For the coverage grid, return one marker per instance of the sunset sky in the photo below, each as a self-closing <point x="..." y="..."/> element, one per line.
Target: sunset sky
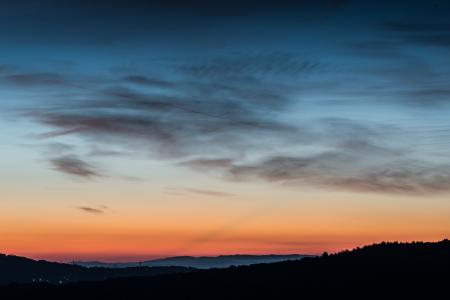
<point x="134" y="129"/>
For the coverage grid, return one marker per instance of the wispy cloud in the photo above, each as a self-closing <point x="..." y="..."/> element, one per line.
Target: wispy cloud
<point x="204" y="192"/>
<point x="74" y="166"/>
<point x="233" y="115"/>
<point x="148" y="81"/>
<point x="357" y="158"/>
<point x="340" y="171"/>
<point x="93" y="210"/>
<point x="210" y="106"/>
<point x="206" y="164"/>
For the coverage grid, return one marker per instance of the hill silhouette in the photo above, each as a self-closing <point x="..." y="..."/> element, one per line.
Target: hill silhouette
<point x="199" y="262"/>
<point x="382" y="271"/>
<point x="15" y="269"/>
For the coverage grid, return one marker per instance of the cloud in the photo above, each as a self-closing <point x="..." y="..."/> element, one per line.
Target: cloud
<point x="93" y="210"/>
<point x="429" y="96"/>
<point x="342" y="171"/>
<point x="402" y="177"/>
<point x="353" y="157"/>
<point x="72" y="165"/>
<point x="219" y="112"/>
<point x="405" y="78"/>
<point x="245" y="116"/>
<point x="58" y="148"/>
<point x="201" y="192"/>
<point x="148" y="81"/>
<point x="254" y="65"/>
<point x="336" y="171"/>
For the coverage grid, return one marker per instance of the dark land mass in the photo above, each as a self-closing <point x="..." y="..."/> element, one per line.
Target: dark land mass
<point x="382" y="271"/>
<point x="15" y="269"/>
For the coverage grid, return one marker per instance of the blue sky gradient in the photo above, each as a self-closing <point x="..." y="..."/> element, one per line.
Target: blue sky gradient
<point x="335" y="96"/>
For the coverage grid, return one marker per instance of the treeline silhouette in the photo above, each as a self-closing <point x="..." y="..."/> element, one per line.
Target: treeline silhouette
<point x="15" y="269"/>
<point x="382" y="271"/>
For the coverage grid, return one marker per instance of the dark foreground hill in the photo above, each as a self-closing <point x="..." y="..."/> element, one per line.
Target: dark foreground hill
<point x="382" y="271"/>
<point x="15" y="269"/>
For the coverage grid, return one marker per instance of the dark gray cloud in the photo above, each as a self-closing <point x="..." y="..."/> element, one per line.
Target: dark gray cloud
<point x="404" y="177"/>
<point x="338" y="170"/>
<point x="72" y="165"/>
<point x="98" y="152"/>
<point x="93" y="210"/>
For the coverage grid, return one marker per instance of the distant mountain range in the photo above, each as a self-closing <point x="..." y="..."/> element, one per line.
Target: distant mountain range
<point x="202" y="262"/>
<point x="382" y="271"/>
<point x="15" y="269"/>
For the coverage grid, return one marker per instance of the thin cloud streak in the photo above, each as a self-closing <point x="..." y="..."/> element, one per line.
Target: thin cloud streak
<point x="92" y="210"/>
<point x="204" y="192"/>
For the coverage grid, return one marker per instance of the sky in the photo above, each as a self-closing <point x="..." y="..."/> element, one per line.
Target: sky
<point x="134" y="129"/>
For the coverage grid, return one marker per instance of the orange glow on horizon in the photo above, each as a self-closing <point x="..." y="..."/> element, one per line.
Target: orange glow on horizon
<point x="300" y="223"/>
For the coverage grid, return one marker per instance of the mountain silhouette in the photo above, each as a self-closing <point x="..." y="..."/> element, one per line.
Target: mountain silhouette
<point x="382" y="271"/>
<point x="201" y="262"/>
